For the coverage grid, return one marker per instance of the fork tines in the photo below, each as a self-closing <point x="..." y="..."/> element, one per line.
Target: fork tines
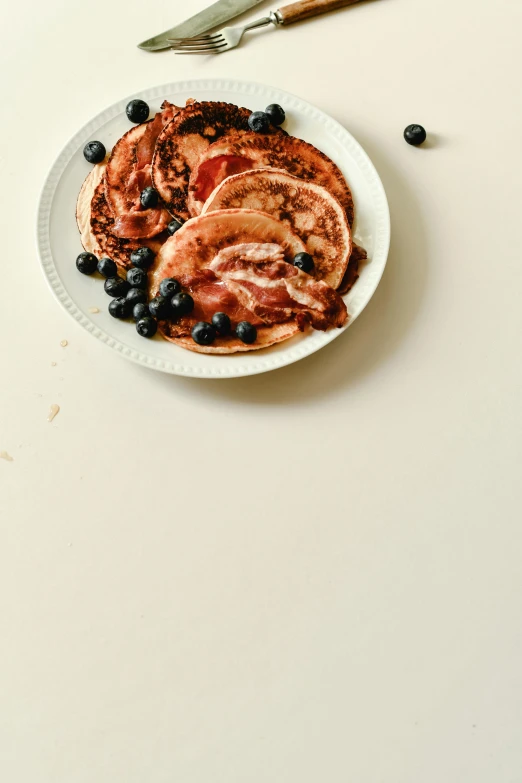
<point x="198" y="45"/>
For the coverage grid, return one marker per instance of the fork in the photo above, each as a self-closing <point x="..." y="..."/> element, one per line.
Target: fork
<point x="230" y="37"/>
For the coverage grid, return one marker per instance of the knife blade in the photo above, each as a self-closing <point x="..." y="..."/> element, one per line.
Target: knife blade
<point x="216" y="14"/>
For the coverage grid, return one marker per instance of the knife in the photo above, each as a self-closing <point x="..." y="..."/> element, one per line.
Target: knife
<point x="216" y="14"/>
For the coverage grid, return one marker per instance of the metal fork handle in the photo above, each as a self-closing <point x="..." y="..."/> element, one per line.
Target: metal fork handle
<point x="304" y="9"/>
<point x="271" y="19"/>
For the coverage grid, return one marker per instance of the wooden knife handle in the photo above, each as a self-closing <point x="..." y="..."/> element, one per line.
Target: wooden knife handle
<point x="304" y="9"/>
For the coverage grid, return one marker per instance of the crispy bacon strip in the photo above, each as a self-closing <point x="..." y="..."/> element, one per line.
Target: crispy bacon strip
<point x="273" y="289"/>
<point x="138" y="223"/>
<point x="142" y="224"/>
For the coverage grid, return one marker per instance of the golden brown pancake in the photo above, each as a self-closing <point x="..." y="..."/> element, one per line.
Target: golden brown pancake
<point x="184" y="140"/>
<point x="232" y="155"/>
<point x="351" y="275"/>
<point x="120" y="167"/>
<point x="309" y="209"/>
<point x="266" y="336"/>
<point x="95" y="221"/>
<point x="193" y="248"/>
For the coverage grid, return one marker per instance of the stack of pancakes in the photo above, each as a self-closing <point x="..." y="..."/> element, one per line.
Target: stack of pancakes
<point x="228" y="186"/>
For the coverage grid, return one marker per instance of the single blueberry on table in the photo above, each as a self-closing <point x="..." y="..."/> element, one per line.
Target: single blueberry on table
<point x="415" y="135"/>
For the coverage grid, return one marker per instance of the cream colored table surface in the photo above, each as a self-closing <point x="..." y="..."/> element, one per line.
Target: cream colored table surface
<point x="312" y="575"/>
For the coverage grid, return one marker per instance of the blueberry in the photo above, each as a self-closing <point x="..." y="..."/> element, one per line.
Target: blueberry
<point x="149" y="198"/>
<point x="415" y="134"/>
<point x="160" y="307"/>
<point x="203" y="333"/>
<point x="305" y="262"/>
<point x="94" y="152"/>
<point x="137" y="110"/>
<point x="116" y="286"/>
<point x="182" y="304"/>
<point x="142" y="257"/>
<point x="136" y="277"/>
<point x="119" y="308"/>
<point x="259" y="122"/>
<point x="169" y="287"/>
<point x="276" y="114"/>
<point x="136" y="296"/>
<point x="246" y="332"/>
<point x="147" y="326"/>
<point x="140" y="310"/>
<point x="221" y="322"/>
<point x="174" y="226"/>
<point x="86" y="263"/>
<point x="107" y="267"/>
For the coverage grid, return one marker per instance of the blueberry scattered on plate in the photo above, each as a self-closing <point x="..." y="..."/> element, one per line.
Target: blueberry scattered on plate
<point x="305" y="262"/>
<point x="169" y="287"/>
<point x="159" y="307"/>
<point x="86" y="263"/>
<point x="136" y="296"/>
<point x="182" y="304"/>
<point x="149" y="198"/>
<point x="136" y="277"/>
<point x="147" y="326"/>
<point x="137" y="110"/>
<point x="259" y="122"/>
<point x="203" y="333"/>
<point x="415" y="134"/>
<point x="142" y="257"/>
<point x="116" y="286"/>
<point x="174" y="226"/>
<point x="94" y="152"/>
<point x="140" y="310"/>
<point x="107" y="267"/>
<point x="276" y="114"/>
<point x="246" y="332"/>
<point x="221" y="322"/>
<point x="119" y="308"/>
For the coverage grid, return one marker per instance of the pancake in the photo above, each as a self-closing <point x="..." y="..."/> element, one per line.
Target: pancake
<point x="184" y="140"/>
<point x="187" y="255"/>
<point x="120" y="166"/>
<point x="351" y="275"/>
<point x="308" y="209"/>
<point x="266" y="336"/>
<point x="95" y="221"/>
<point x="129" y="172"/>
<point x="232" y="155"/>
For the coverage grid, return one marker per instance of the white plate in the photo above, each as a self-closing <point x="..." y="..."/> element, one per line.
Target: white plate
<point x="59" y="243"/>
